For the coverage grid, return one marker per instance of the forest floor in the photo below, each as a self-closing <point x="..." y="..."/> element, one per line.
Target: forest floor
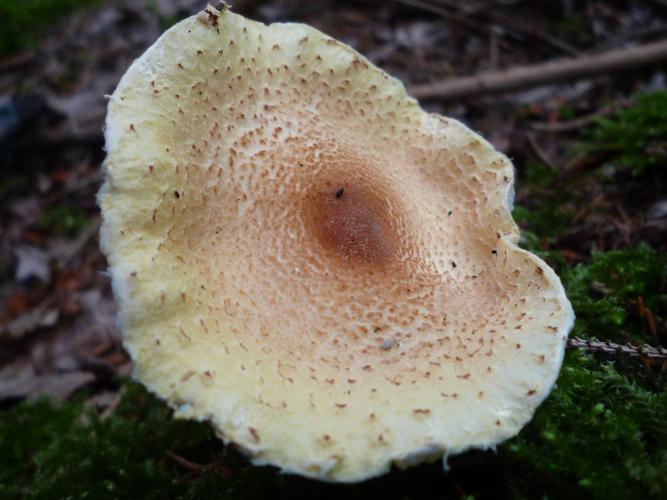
<point x="591" y="199"/>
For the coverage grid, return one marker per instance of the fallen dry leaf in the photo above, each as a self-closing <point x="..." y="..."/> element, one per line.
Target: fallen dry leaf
<point x="19" y="381"/>
<point x="28" y="322"/>
<point x="32" y="263"/>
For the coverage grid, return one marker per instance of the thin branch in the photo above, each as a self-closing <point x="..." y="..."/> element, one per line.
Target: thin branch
<point x="577" y="123"/>
<point x="562" y="70"/>
<point x="525" y="30"/>
<point x="606" y="347"/>
<point x="457" y="15"/>
<point x="539" y="152"/>
<point x="193" y="467"/>
<point x="80" y="243"/>
<point x="439" y="11"/>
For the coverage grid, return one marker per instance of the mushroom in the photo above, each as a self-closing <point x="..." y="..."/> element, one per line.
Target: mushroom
<point x="305" y="258"/>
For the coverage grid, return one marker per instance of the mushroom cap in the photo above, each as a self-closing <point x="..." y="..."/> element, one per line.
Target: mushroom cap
<point x="305" y="258"/>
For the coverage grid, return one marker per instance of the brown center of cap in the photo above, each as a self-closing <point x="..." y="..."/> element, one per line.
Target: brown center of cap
<point x="351" y="222"/>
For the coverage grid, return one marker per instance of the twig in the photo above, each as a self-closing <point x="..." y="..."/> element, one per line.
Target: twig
<point x="16" y="61"/>
<point x="64" y="139"/>
<point x="81" y="241"/>
<point x="103" y="370"/>
<point x="576" y="123"/>
<point x="196" y="468"/>
<point x="92" y="180"/>
<point x="540" y="153"/>
<point x="462" y="14"/>
<point x="439" y="11"/>
<point x="521" y="77"/>
<point x="606" y="347"/>
<point x="646" y="314"/>
<point x="520" y="30"/>
<point x="193" y="467"/>
<point x="654" y="32"/>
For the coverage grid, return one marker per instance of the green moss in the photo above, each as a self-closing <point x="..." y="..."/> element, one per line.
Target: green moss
<point x="24" y="21"/>
<point x="50" y="450"/>
<point x="598" y="435"/>
<point x="24" y="430"/>
<point x="64" y="220"/>
<point x="601" y="432"/>
<point x="546" y="214"/>
<point x="635" y="137"/>
<point x="549" y="220"/>
<point x="570" y="27"/>
<point x="604" y="293"/>
<point x="566" y="112"/>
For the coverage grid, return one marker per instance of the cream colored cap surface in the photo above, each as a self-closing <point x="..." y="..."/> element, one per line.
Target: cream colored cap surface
<point x="305" y="258"/>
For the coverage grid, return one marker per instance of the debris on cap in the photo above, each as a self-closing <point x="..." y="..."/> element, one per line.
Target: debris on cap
<point x="311" y="262"/>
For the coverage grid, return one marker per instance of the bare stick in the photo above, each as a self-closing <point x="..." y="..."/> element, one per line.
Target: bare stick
<point x="562" y="70"/>
<point x="606" y="347"/>
<point x="577" y="123"/>
<point x="539" y="152"/>
<point x="439" y="11"/>
<point x="196" y="468"/>
<point x="185" y="463"/>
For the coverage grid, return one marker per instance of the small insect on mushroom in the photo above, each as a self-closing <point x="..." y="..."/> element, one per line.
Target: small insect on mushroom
<point x="361" y="307"/>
